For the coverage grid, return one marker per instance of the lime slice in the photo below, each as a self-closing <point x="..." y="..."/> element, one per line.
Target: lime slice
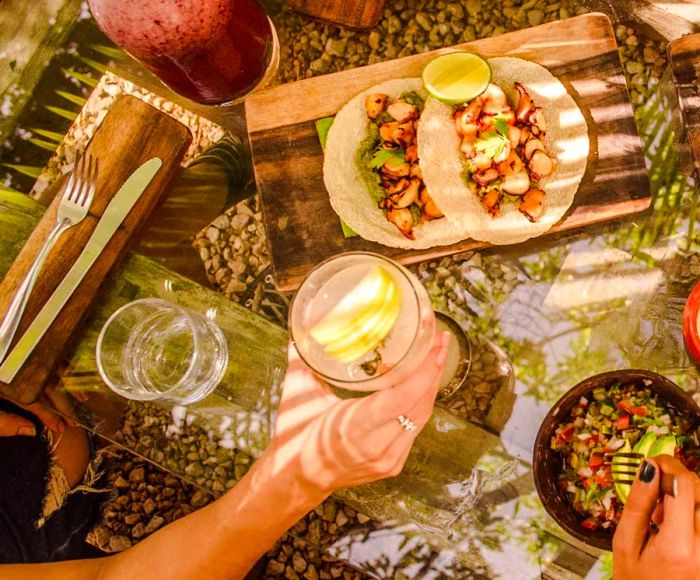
<point x="456" y="77"/>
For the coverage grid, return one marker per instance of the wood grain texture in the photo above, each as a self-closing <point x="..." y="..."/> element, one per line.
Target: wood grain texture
<point x="131" y="133"/>
<point x="350" y="13"/>
<point x="685" y="64"/>
<point x="301" y="225"/>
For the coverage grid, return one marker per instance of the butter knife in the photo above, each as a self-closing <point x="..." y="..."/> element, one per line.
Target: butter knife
<point x="113" y="216"/>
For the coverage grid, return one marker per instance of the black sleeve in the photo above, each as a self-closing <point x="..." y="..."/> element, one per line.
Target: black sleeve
<point x="24" y="466"/>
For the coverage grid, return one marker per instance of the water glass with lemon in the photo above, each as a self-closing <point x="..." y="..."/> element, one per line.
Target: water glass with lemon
<point x="362" y="322"/>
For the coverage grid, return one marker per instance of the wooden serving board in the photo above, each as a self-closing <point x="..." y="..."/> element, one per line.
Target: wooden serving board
<point x="131" y="133"/>
<point x="684" y="54"/>
<point x="303" y="229"/>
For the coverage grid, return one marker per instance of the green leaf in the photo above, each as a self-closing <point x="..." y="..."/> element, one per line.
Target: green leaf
<point x="491" y="144"/>
<point x="348" y="232"/>
<point x="70" y="115"/>
<point x="48" y="145"/>
<point x="27" y="170"/>
<point x="322" y="128"/>
<point x="384" y="155"/>
<point x="108" y="51"/>
<point x="80" y="101"/>
<point x="16" y="198"/>
<point x="501" y="125"/>
<point x="98" y="66"/>
<point x="52" y="135"/>
<point x="85" y="79"/>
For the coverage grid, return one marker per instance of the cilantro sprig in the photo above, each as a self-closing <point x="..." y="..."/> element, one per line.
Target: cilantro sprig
<point x="492" y="143"/>
<point x="381" y="156"/>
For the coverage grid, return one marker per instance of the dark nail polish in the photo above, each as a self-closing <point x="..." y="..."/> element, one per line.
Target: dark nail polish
<point x="647" y="473"/>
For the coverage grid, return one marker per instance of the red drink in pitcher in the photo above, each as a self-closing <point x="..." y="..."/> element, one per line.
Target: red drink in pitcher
<point x="209" y="51"/>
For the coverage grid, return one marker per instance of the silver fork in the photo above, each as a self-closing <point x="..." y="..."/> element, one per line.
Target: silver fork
<point x="75" y="203"/>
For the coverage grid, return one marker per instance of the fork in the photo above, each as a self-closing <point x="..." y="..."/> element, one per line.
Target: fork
<point x="625" y="472"/>
<point x="75" y="203"/>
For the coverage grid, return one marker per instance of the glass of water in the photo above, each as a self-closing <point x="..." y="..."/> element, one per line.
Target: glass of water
<point x="152" y="349"/>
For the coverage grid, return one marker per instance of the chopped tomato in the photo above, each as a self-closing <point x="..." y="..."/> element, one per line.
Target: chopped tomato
<point x="623" y="422"/>
<point x="566" y="433"/>
<point x="587" y="483"/>
<point x="640" y="411"/>
<point x="595" y="461"/>
<point x="626" y="406"/>
<point x="590" y="523"/>
<point x="603" y="478"/>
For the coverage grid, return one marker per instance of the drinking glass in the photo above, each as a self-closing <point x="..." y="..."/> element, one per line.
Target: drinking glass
<point x="151" y="349"/>
<point x="397" y="356"/>
<point x="210" y="51"/>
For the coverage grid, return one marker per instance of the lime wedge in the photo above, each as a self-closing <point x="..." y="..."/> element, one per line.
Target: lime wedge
<point x="456" y="77"/>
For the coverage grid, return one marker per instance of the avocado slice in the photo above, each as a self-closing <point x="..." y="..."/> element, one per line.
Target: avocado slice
<point x="664" y="446"/>
<point x="622" y="489"/>
<point x="645" y="444"/>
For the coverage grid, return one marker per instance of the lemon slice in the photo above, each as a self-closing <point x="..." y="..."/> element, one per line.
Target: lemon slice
<point x="362" y="318"/>
<point x="456" y="77"/>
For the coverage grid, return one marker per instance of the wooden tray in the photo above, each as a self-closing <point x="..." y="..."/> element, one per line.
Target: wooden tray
<point x="685" y="64"/>
<point x="131" y="133"/>
<point x="302" y="228"/>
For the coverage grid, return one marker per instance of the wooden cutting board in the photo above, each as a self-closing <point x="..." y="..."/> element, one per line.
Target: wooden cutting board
<point x="302" y="228"/>
<point x="685" y="64"/>
<point x="131" y="133"/>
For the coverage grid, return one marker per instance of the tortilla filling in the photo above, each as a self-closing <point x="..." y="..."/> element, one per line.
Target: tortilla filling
<point x="505" y="151"/>
<point x="388" y="161"/>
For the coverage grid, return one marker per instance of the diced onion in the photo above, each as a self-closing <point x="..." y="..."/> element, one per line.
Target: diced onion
<point x="584" y="436"/>
<point x="584" y="472"/>
<point x="665" y="419"/>
<point x="607" y="500"/>
<point x="615" y="444"/>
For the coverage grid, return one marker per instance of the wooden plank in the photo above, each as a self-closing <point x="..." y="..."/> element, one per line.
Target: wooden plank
<point x="131" y="133"/>
<point x="350" y="13"/>
<point x="685" y="66"/>
<point x="301" y="225"/>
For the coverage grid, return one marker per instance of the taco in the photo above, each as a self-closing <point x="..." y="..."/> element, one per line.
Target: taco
<point x="505" y="167"/>
<point x="372" y="174"/>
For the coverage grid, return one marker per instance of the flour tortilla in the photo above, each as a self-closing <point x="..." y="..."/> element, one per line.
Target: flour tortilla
<point x="442" y="163"/>
<point x="348" y="191"/>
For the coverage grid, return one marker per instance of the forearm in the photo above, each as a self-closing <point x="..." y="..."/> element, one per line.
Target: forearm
<point x="224" y="539"/>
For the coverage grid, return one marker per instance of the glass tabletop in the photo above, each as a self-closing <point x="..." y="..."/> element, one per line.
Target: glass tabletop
<point x="541" y="316"/>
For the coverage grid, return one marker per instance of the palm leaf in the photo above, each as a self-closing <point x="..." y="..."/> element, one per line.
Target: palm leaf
<point x="27" y="170"/>
<point x="98" y="66"/>
<point x="70" y="115"/>
<point x="48" y="145"/>
<point x="85" y="79"/>
<point x="52" y="135"/>
<point x="80" y="101"/>
<point x="16" y="198"/>
<point x="108" y="51"/>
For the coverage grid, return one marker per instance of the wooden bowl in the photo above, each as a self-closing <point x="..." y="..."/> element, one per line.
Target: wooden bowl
<point x="547" y="463"/>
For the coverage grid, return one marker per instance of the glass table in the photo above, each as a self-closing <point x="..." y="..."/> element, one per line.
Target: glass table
<point x="559" y="308"/>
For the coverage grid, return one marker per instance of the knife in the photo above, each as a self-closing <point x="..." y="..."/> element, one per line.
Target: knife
<point x="113" y="216"/>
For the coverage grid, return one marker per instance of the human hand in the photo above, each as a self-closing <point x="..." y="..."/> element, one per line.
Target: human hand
<point x="45" y="409"/>
<point x="333" y="442"/>
<point x="674" y="551"/>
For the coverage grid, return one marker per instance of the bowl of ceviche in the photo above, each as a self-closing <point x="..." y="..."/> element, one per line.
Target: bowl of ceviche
<point x="614" y="412"/>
